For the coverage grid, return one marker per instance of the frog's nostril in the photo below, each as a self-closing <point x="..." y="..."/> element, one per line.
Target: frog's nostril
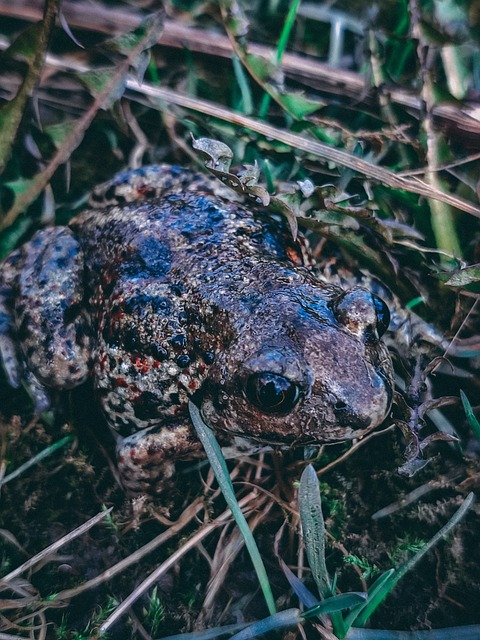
<point x="348" y="417"/>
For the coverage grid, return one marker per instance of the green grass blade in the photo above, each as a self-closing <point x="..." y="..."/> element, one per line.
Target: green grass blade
<point x="287" y="618"/>
<point x="287" y="29"/>
<point x="36" y="459"/>
<point x="305" y="596"/>
<point x="467" y="632"/>
<point x="376" y="588"/>
<point x="474" y="423"/>
<point x="281" y="46"/>
<point x="387" y="587"/>
<point x="336" y="603"/>
<point x="217" y="461"/>
<point x="241" y="77"/>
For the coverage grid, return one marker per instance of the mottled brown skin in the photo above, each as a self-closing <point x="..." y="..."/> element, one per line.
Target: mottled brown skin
<point x="171" y="293"/>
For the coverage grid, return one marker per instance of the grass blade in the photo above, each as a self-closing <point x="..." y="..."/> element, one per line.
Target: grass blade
<point x="336" y="603"/>
<point x="376" y="588"/>
<point x="467" y="632"/>
<point x="474" y="423"/>
<point x="313" y="525"/>
<point x="287" y="618"/>
<point x="37" y="458"/>
<point x="387" y="587"/>
<point x="217" y="461"/>
<point x="305" y="596"/>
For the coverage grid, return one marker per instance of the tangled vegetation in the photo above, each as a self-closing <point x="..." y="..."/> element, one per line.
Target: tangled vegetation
<point x="359" y="122"/>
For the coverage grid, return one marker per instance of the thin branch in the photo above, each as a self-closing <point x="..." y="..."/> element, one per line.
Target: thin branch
<point x="56" y="545"/>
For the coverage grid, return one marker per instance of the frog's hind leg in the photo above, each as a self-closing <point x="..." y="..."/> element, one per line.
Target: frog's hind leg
<point x="12" y="359"/>
<point x="146" y="459"/>
<point x="9" y="348"/>
<point x="44" y="337"/>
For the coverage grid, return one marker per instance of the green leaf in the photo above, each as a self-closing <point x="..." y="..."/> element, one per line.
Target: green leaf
<point x="217" y="461"/>
<point x="474" y="423"/>
<point x="99" y="81"/>
<point x="126" y="44"/>
<point x="313" y="526"/>
<point x="25" y="46"/>
<point x="235" y="18"/>
<point x="336" y="603"/>
<point x="323" y="218"/>
<point x="297" y="105"/>
<point x="465" y="276"/>
<point x="20" y="185"/>
<point x="32" y="48"/>
<point x="287" y="618"/>
<point x="147" y="33"/>
<point x="372" y="594"/>
<point x="58" y="133"/>
<point x="263" y="70"/>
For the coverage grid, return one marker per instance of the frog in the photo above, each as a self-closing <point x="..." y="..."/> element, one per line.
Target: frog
<point x="165" y="292"/>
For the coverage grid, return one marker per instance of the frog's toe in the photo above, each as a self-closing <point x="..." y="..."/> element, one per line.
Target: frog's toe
<point x="9" y="359"/>
<point x="37" y="392"/>
<point x="146" y="458"/>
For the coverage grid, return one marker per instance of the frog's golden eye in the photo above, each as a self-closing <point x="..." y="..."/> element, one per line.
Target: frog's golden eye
<point x="272" y="393"/>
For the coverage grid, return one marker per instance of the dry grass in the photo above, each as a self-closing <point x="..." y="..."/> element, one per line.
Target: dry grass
<point x="394" y="128"/>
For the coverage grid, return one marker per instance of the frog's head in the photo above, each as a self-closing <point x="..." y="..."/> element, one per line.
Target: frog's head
<point x="309" y="367"/>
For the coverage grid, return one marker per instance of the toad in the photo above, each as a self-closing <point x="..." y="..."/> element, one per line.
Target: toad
<point x="169" y="293"/>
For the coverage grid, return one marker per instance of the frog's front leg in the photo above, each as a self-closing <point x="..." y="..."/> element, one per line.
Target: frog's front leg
<point x="146" y="459"/>
<point x="44" y="336"/>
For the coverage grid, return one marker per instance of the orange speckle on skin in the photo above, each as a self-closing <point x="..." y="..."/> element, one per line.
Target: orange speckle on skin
<point x="294" y="256"/>
<point x="141" y="364"/>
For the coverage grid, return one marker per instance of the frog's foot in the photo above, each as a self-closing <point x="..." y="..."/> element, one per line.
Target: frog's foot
<point x="146" y="459"/>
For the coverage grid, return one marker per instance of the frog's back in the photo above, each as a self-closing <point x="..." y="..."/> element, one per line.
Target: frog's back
<point x="179" y="223"/>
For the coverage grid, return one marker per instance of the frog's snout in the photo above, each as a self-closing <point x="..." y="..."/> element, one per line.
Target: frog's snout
<point x="364" y="405"/>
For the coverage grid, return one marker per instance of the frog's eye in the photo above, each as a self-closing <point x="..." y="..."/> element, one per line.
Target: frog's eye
<point x="383" y="315"/>
<point x="362" y="313"/>
<point x="272" y="393"/>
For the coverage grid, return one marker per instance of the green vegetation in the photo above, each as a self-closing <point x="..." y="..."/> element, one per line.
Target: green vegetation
<point x="358" y="122"/>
